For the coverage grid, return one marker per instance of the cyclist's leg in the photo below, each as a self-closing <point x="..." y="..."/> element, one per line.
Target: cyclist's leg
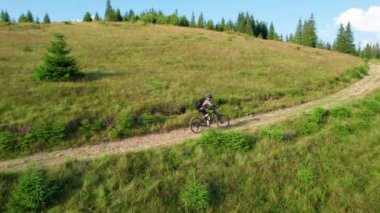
<point x="205" y="115"/>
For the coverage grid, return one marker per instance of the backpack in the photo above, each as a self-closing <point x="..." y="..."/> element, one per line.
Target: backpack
<point x="198" y="103"/>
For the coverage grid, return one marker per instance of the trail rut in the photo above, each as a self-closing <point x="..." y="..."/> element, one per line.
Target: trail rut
<point x="353" y="92"/>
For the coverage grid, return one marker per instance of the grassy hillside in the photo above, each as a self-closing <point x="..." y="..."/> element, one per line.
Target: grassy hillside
<point x="326" y="161"/>
<point x="150" y="76"/>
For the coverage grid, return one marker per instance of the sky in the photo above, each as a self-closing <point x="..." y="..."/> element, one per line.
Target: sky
<point x="363" y="14"/>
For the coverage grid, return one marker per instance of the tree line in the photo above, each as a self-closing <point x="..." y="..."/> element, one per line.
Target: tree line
<point x="370" y="51"/>
<point x="245" y="22"/>
<point x="24" y="18"/>
<point x="305" y="33"/>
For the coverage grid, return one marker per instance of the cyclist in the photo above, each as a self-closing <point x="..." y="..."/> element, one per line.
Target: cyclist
<point x="207" y="104"/>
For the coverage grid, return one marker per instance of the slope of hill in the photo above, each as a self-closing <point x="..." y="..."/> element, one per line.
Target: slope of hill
<point x="149" y="76"/>
<point x="325" y="161"/>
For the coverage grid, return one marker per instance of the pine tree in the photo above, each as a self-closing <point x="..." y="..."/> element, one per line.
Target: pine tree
<point x="29" y="17"/>
<point x="240" y="23"/>
<point x="222" y="25"/>
<point x="132" y="16"/>
<point x="350" y="46"/>
<point x="201" y="21"/>
<point x="210" y="25"/>
<point x="183" y="21"/>
<point x="38" y="20"/>
<point x="118" y="16"/>
<point x="4" y="17"/>
<point x="229" y="26"/>
<point x="110" y="14"/>
<point x="298" y="33"/>
<point x="248" y="25"/>
<point x="192" y="22"/>
<point x="58" y="64"/>
<point x="367" y="52"/>
<point x="46" y="19"/>
<point x="340" y="42"/>
<point x="97" y="18"/>
<point x="87" y="17"/>
<point x="264" y="30"/>
<point x="22" y="19"/>
<point x="272" y="32"/>
<point x="309" y="35"/>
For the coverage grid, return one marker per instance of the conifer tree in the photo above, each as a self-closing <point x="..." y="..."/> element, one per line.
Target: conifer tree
<point x="22" y="19"/>
<point x="272" y="32"/>
<point x="340" y="42"/>
<point x="264" y="30"/>
<point x="29" y="17"/>
<point x="126" y="16"/>
<point x="110" y="13"/>
<point x="183" y="21"/>
<point x="132" y="16"/>
<point x="350" y="46"/>
<point x="240" y="23"/>
<point x="46" y="19"/>
<point x="118" y="16"/>
<point x="229" y="26"/>
<point x="298" y="33"/>
<point x="192" y="22"/>
<point x="96" y="18"/>
<point x="201" y="21"/>
<point x="222" y="25"/>
<point x="210" y="25"/>
<point x="4" y="17"/>
<point x="248" y="25"/>
<point x="87" y="17"/>
<point x="58" y="64"/>
<point x="38" y="20"/>
<point x="309" y="35"/>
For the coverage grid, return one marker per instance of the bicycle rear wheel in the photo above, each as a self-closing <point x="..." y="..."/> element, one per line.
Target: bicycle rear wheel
<point x="197" y="124"/>
<point x="223" y="121"/>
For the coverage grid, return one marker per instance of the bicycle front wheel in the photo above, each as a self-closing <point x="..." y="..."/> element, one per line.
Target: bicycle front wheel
<point x="197" y="125"/>
<point x="223" y="121"/>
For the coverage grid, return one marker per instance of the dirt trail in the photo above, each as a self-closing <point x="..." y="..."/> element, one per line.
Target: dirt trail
<point x="355" y="91"/>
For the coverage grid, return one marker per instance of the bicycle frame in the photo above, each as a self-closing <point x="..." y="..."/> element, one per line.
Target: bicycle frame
<point x="213" y="115"/>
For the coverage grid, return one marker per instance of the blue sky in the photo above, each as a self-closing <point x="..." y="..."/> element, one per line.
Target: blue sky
<point x="284" y="14"/>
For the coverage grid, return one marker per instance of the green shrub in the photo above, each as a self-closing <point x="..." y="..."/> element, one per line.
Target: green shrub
<point x="354" y="73"/>
<point x="99" y="125"/>
<point x="274" y="133"/>
<point x="57" y="64"/>
<point x="147" y="119"/>
<point x="340" y="129"/>
<point x="45" y="132"/>
<point x="32" y="192"/>
<point x="358" y="72"/>
<point x="225" y="140"/>
<point x="340" y="112"/>
<point x="171" y="159"/>
<point x="8" y="142"/>
<point x="312" y="123"/>
<point x="372" y="105"/>
<point x="195" y="195"/>
<point x="125" y="121"/>
<point x="306" y="176"/>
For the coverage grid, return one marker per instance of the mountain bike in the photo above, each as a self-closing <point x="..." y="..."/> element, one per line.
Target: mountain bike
<point x="198" y="124"/>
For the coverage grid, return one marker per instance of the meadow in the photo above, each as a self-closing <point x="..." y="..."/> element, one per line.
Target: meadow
<point x="146" y="78"/>
<point x="323" y="161"/>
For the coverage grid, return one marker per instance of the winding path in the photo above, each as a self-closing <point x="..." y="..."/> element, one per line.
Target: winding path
<point x="355" y="91"/>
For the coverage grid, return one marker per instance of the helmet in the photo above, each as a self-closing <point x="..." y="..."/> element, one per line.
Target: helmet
<point x="209" y="96"/>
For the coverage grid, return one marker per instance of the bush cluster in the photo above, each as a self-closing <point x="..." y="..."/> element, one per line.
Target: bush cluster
<point x="32" y="192"/>
<point x="195" y="195"/>
<point x="225" y="140"/>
